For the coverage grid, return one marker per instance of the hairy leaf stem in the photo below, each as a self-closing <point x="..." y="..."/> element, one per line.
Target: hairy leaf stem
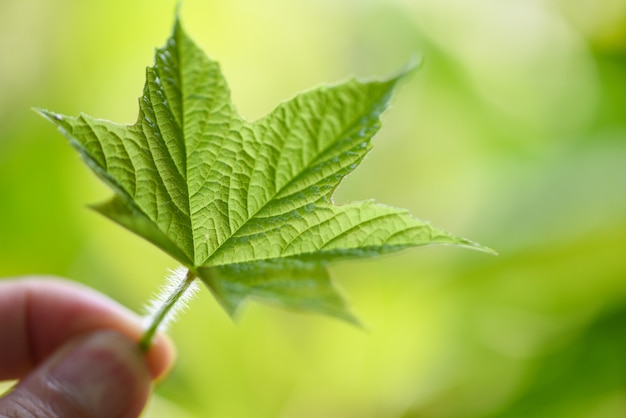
<point x="161" y="313"/>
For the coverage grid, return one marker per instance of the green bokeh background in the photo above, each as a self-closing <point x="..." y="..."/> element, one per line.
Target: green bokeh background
<point x="512" y="134"/>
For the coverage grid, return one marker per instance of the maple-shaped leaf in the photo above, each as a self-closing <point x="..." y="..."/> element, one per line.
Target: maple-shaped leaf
<point x="246" y="206"/>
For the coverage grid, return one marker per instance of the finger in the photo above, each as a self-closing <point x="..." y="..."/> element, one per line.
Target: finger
<point x="37" y="316"/>
<point x="100" y="375"/>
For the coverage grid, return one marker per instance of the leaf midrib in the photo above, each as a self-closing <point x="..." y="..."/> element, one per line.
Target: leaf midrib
<point x="179" y="73"/>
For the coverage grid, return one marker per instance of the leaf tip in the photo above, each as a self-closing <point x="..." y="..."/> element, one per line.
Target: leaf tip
<point x="441" y="237"/>
<point x="51" y="116"/>
<point x="177" y="19"/>
<point x="352" y="320"/>
<point x="464" y="242"/>
<point x="413" y="65"/>
<point x="179" y="5"/>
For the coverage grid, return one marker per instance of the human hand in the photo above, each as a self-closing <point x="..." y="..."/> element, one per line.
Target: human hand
<point x="75" y="352"/>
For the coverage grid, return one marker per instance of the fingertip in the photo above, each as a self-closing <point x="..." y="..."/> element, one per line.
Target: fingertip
<point x="100" y="374"/>
<point x="160" y="357"/>
<point x="40" y="315"/>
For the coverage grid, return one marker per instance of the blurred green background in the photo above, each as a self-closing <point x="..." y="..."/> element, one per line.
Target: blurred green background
<point x="512" y="134"/>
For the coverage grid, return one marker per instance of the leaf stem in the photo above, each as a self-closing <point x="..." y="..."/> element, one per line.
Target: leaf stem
<point x="159" y="316"/>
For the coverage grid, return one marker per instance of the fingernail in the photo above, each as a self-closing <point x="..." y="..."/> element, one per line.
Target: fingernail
<point x="105" y="373"/>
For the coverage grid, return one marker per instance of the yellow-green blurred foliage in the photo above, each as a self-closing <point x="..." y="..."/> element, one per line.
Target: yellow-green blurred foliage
<point x="513" y="134"/>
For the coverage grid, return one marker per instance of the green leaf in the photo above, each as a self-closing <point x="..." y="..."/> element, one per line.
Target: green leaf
<point x="288" y="283"/>
<point x="244" y="205"/>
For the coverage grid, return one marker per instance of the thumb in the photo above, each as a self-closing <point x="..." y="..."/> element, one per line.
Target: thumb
<point x="101" y="375"/>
